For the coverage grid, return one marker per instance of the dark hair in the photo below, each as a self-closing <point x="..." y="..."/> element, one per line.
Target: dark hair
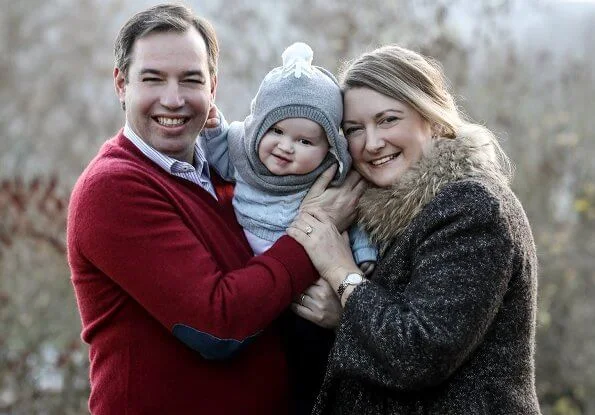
<point x="167" y="17"/>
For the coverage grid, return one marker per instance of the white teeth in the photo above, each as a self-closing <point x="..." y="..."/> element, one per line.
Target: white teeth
<point x="169" y="122"/>
<point x="383" y="160"/>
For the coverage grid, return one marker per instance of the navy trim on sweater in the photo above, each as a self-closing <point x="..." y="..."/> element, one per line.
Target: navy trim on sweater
<point x="209" y="346"/>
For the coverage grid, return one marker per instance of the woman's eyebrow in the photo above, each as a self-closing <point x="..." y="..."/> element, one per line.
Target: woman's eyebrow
<point x="378" y="115"/>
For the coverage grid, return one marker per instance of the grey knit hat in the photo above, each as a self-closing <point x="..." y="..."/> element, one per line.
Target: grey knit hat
<point x="298" y="90"/>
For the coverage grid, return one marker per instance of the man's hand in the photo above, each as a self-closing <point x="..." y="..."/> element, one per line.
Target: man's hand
<point x="320" y="305"/>
<point x="337" y="203"/>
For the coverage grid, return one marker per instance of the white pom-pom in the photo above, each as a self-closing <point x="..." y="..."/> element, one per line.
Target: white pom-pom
<point x="297" y="58"/>
<point x="299" y="51"/>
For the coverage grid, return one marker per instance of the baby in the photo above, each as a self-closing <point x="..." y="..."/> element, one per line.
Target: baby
<point x="290" y="137"/>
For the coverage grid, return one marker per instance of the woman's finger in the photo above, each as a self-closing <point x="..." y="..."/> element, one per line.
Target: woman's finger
<point x="321" y="183"/>
<point x="298" y="234"/>
<point x="360" y="187"/>
<point x="353" y="179"/>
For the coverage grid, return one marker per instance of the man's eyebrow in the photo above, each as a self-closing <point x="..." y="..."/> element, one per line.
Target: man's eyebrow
<point x="194" y="73"/>
<point x="150" y="71"/>
<point x="161" y="73"/>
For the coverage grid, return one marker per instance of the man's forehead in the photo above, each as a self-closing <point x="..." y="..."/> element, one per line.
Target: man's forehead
<point x="185" y="50"/>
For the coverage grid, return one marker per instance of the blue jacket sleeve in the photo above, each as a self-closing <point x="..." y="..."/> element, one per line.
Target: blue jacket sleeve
<point x="361" y="246"/>
<point x="216" y="147"/>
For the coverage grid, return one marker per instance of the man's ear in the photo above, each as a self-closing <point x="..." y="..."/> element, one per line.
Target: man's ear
<point x="120" y="85"/>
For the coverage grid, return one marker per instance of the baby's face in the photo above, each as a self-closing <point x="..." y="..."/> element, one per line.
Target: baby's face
<point x="293" y="146"/>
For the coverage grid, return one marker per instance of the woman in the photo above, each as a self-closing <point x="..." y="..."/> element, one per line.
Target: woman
<point x="446" y="324"/>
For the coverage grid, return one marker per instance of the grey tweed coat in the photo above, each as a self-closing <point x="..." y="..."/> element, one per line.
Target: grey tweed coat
<point x="447" y="323"/>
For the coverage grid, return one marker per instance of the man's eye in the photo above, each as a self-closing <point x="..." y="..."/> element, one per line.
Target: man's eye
<point x="194" y="81"/>
<point x="151" y="79"/>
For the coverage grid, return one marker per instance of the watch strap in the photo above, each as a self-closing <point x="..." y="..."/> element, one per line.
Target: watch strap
<point x="345" y="283"/>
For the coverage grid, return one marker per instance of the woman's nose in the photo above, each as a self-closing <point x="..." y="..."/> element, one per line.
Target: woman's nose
<point x="374" y="140"/>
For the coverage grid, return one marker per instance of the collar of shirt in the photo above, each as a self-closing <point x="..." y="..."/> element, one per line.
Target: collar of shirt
<point x="198" y="174"/>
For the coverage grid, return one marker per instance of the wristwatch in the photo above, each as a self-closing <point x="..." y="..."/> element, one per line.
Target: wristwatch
<point x="351" y="279"/>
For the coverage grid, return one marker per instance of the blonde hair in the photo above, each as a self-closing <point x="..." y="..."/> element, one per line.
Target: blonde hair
<point x="418" y="81"/>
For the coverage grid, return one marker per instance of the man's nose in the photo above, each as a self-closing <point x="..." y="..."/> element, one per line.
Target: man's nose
<point x="171" y="97"/>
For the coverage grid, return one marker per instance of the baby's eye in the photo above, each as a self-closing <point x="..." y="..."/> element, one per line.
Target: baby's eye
<point x="277" y="130"/>
<point x="305" y="142"/>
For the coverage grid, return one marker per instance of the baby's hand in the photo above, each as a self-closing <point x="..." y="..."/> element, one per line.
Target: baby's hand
<point x="212" y="117"/>
<point x="367" y="267"/>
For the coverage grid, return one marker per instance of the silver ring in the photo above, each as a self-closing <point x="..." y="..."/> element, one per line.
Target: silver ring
<point x="308" y="230"/>
<point x="302" y="299"/>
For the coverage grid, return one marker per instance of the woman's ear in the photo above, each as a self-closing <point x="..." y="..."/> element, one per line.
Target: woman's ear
<point x="437" y="130"/>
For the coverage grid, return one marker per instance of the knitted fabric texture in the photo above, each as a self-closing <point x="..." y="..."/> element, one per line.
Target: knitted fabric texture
<point x="295" y="90"/>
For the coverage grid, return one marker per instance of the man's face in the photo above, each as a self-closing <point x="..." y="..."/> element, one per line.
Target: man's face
<point x="169" y="91"/>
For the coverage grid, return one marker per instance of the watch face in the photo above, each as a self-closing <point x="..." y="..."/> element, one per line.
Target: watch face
<point x="354" y="279"/>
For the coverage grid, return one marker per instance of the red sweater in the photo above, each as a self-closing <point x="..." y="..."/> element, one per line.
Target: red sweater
<point x="160" y="268"/>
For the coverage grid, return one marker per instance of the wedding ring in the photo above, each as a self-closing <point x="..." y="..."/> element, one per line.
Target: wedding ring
<point x="308" y="230"/>
<point x="302" y="299"/>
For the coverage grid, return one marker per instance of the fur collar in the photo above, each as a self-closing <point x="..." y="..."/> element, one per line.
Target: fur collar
<point x="385" y="212"/>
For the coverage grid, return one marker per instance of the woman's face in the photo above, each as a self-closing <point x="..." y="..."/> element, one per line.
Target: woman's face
<point x="385" y="136"/>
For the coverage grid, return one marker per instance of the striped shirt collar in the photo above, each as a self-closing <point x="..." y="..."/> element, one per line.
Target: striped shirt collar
<point x="197" y="173"/>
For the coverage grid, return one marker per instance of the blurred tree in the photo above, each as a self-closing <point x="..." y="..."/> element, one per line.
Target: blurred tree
<point x="59" y="106"/>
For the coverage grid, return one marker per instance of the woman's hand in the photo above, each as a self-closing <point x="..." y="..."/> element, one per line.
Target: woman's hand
<point x="328" y="250"/>
<point x="320" y="305"/>
<point x="337" y="203"/>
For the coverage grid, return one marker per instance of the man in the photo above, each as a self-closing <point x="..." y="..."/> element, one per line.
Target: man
<point x="177" y="313"/>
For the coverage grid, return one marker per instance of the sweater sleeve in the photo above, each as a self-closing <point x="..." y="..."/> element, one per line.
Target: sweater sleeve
<point x="139" y="240"/>
<point x="362" y="248"/>
<point x="461" y="265"/>
<point x="217" y="149"/>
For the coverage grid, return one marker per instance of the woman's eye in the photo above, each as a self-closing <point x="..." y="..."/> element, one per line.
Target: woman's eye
<point x="349" y="131"/>
<point x="389" y="120"/>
